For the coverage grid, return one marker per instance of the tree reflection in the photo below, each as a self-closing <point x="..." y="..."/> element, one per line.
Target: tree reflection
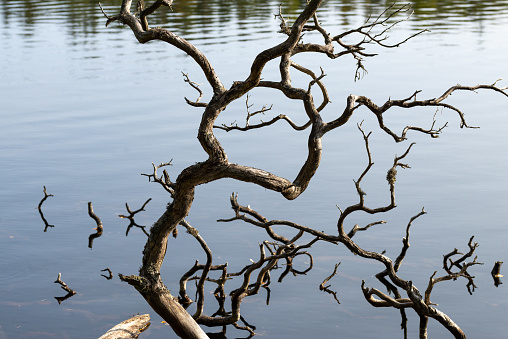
<point x="83" y="18"/>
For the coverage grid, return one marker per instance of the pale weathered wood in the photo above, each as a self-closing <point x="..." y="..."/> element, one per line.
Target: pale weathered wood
<point x="128" y="329"/>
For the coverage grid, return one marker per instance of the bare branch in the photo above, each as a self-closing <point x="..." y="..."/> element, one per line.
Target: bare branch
<point x="412" y="102"/>
<point x="201" y="292"/>
<point x="267" y="224"/>
<point x="110" y="18"/>
<point x="434" y="133"/>
<point x="145" y="12"/>
<point x="454" y="275"/>
<point x="365" y="31"/>
<point x="233" y="126"/>
<point x="369" y="165"/>
<point x="164" y="181"/>
<point x="145" y="34"/>
<point x="315" y="80"/>
<point x="261" y="221"/>
<point x="360" y="206"/>
<point x="196" y="87"/>
<point x="357" y="228"/>
<point x="458" y="263"/>
<point x="283" y="22"/>
<point x="405" y="241"/>
<point x="386" y="301"/>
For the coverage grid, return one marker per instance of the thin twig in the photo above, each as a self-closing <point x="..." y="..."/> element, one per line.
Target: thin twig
<point x="46" y="195"/>
<point x="327" y="289"/>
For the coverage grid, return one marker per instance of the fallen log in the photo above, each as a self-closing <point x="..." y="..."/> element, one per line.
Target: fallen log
<point x="128" y="329"/>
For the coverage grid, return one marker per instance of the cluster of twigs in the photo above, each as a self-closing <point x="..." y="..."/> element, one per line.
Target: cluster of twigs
<point x="388" y="277"/>
<point x="99" y="231"/>
<point x="254" y="276"/>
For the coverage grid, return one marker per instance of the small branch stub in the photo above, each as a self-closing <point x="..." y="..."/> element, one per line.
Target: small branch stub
<point x="70" y="291"/>
<point x="99" y="227"/>
<point x="496" y="273"/>
<point x="110" y="276"/>
<point x="46" y="195"/>
<point x="327" y="289"/>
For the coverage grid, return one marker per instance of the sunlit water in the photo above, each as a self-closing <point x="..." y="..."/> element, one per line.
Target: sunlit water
<point x="86" y="109"/>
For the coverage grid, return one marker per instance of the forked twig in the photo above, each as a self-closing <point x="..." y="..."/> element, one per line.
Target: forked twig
<point x="131" y="215"/>
<point x="327" y="289"/>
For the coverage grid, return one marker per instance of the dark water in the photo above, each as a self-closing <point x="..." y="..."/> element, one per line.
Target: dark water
<point x="86" y="109"/>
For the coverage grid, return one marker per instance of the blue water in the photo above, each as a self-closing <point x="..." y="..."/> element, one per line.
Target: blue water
<point x="86" y="110"/>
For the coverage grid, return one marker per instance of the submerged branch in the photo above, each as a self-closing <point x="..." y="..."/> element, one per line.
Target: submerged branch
<point x="327" y="289"/>
<point x="131" y="215"/>
<point x="99" y="229"/>
<point x="39" y="207"/>
<point x="70" y="291"/>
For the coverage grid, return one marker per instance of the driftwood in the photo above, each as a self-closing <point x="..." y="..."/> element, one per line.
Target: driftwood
<point x="130" y="328"/>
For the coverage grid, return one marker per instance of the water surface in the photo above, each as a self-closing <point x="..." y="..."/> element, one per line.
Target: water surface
<point x="86" y="109"/>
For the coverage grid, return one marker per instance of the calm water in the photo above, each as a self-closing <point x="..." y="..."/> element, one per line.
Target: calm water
<point x="86" y="109"/>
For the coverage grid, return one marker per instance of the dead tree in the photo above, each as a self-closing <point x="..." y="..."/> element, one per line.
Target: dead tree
<point x="182" y="189"/>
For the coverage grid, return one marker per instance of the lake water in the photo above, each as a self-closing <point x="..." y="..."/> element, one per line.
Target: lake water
<point x="85" y="110"/>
